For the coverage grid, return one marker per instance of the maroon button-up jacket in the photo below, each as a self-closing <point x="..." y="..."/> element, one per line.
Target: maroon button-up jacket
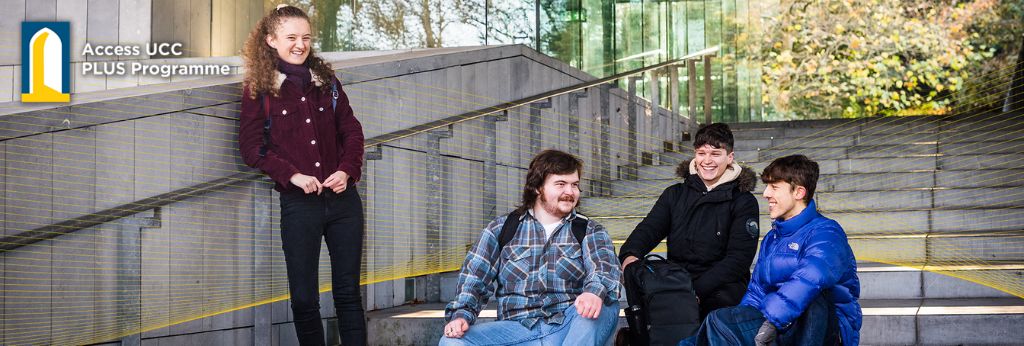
<point x="306" y="136"/>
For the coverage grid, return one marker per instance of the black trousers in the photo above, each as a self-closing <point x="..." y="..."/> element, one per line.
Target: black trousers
<point x="338" y="219"/>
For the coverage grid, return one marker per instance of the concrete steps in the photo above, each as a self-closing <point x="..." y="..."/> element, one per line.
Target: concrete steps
<point x="863" y="181"/>
<point x="843" y="202"/>
<point x="993" y="321"/>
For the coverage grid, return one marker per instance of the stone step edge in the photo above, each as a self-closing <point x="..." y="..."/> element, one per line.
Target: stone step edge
<point x="874" y="307"/>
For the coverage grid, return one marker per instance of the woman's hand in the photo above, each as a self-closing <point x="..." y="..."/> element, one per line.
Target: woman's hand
<point x="307" y="183"/>
<point x="337" y="182"/>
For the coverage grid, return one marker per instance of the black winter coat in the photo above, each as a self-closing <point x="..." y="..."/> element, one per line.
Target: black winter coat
<point x="711" y="233"/>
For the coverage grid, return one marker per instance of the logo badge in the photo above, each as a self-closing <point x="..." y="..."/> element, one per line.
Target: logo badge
<point x="794" y="246"/>
<point x="45" y="62"/>
<point x="752" y="228"/>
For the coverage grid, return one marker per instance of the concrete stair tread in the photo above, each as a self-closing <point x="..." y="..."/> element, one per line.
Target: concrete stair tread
<point x="872" y="307"/>
<point x="939" y="179"/>
<point x="919" y="199"/>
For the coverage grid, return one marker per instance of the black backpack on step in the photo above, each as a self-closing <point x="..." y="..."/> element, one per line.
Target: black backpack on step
<point x="662" y="305"/>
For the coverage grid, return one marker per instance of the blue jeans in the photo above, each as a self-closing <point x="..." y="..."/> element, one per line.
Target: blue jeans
<point x="574" y="330"/>
<point x="306" y="221"/>
<point x="738" y="325"/>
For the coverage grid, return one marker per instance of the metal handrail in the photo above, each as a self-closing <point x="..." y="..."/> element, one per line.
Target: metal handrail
<point x="54" y="230"/>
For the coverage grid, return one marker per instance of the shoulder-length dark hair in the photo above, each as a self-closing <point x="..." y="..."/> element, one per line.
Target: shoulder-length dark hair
<point x="546" y="163"/>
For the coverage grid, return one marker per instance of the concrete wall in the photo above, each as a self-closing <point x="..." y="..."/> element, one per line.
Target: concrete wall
<point x="209" y="269"/>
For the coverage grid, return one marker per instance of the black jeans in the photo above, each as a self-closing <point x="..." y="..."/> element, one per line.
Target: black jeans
<point x="337" y="218"/>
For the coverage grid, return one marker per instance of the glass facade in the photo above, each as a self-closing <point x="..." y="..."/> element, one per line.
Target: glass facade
<point x="601" y="37"/>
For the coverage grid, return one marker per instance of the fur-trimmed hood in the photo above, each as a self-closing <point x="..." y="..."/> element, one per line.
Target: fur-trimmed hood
<point x="746" y="181"/>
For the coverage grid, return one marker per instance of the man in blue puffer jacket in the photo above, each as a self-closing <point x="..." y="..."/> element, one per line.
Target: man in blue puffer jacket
<point x="804" y="288"/>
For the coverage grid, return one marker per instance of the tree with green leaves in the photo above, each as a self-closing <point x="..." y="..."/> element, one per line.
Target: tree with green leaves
<point x="851" y="58"/>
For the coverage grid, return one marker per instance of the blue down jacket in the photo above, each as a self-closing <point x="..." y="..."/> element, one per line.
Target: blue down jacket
<point x="801" y="258"/>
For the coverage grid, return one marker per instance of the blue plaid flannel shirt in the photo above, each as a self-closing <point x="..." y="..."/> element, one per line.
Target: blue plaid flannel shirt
<point x="537" y="278"/>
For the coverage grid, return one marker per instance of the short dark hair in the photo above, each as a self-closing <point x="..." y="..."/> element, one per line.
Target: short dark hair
<point x="718" y="135"/>
<point x="797" y="170"/>
<point x="546" y="163"/>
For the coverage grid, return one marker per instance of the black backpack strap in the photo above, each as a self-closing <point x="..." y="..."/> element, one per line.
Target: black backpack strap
<point x="579" y="228"/>
<point x="265" y="105"/>
<point x="511" y="226"/>
<point x="509" y="229"/>
<point x="334" y="95"/>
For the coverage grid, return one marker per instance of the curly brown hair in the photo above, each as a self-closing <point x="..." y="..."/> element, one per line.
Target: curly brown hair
<point x="546" y="163"/>
<point x="260" y="59"/>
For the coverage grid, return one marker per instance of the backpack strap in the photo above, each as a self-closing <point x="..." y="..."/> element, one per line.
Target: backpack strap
<point x="511" y="227"/>
<point x="265" y="104"/>
<point x="334" y="95"/>
<point x="579" y="228"/>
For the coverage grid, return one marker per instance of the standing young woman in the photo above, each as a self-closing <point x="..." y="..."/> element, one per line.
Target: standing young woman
<point x="298" y="128"/>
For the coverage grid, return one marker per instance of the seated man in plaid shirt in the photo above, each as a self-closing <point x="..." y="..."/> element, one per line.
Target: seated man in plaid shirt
<point x="557" y="276"/>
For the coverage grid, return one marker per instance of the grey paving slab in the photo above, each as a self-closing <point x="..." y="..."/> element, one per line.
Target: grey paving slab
<point x="3" y="199"/>
<point x="221" y="140"/>
<point x="888" y="330"/>
<point x="830" y="140"/>
<point x="992" y="161"/>
<point x="617" y="206"/>
<point x="229" y="257"/>
<point x="990" y="123"/>
<point x="941" y="285"/>
<point x="29" y="291"/>
<point x="976" y="249"/>
<point x="187" y="262"/>
<point x="84" y="83"/>
<point x="157" y="282"/>
<point x="876" y="181"/>
<point x="760" y="133"/>
<point x="882" y="221"/>
<point x="980" y="178"/>
<point x="900" y="250"/>
<point x="984" y="329"/>
<point x="72" y="282"/>
<point x="987" y="147"/>
<point x="29" y="183"/>
<point x="897" y="138"/>
<point x="890" y="284"/>
<point x="872" y="200"/>
<point x="653" y="187"/>
<point x="896" y="125"/>
<point x="134" y="22"/>
<point x="11" y="29"/>
<point x="115" y="153"/>
<point x="200" y="19"/>
<point x="102" y="25"/>
<point x="874" y="165"/>
<point x="74" y="160"/>
<point x="185" y="131"/>
<point x="7" y="89"/>
<point x="822" y="153"/>
<point x="152" y="157"/>
<point x="824" y="166"/>
<point x="1002" y="219"/>
<point x="995" y="134"/>
<point x="990" y="198"/>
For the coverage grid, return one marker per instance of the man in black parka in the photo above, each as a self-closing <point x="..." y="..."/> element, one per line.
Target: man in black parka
<point x="710" y="221"/>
